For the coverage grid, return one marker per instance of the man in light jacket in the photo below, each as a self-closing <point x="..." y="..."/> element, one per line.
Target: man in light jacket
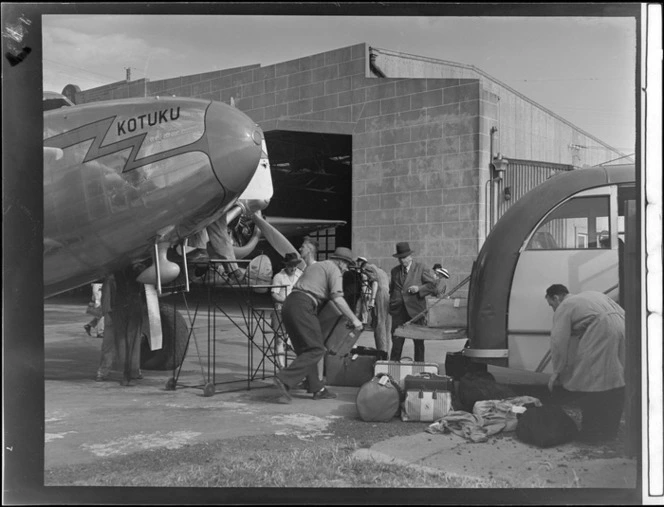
<point x="588" y="357"/>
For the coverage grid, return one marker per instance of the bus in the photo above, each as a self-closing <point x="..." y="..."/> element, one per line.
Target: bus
<point x="568" y="230"/>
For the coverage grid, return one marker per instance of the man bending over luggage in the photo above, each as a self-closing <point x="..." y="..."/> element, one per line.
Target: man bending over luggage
<point x="588" y="356"/>
<point x="319" y="283"/>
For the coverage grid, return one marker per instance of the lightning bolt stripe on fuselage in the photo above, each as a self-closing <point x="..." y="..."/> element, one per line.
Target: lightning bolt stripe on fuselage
<point x="98" y="131"/>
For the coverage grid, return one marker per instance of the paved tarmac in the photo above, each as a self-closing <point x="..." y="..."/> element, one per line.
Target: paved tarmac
<point x="87" y="421"/>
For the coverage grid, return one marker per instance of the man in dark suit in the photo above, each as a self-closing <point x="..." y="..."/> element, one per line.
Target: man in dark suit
<point x="410" y="283"/>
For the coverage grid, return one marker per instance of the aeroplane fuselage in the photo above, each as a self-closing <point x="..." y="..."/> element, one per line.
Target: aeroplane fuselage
<point x="120" y="175"/>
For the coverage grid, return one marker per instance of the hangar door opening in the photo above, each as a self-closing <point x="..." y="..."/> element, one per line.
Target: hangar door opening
<point x="312" y="179"/>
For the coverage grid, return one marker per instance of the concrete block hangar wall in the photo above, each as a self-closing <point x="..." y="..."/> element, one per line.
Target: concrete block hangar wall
<point x="419" y="146"/>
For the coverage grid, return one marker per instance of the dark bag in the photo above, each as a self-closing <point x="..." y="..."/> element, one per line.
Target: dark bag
<point x="379" y="400"/>
<point x="353" y="369"/>
<point x="456" y="365"/>
<point x="546" y="426"/>
<point x="339" y="335"/>
<point x="477" y="386"/>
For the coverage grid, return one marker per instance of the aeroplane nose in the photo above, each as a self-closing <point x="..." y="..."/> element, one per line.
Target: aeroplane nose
<point x="234" y="145"/>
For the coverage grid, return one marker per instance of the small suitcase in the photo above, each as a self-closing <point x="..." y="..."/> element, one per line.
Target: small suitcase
<point x="399" y="369"/>
<point x="338" y="333"/>
<point x="423" y="405"/>
<point x="429" y="382"/>
<point x="353" y="369"/>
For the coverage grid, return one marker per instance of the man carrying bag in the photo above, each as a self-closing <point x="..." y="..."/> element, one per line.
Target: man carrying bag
<point x="319" y="283"/>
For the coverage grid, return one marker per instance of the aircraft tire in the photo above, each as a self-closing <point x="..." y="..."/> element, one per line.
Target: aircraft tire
<point x="174" y="331"/>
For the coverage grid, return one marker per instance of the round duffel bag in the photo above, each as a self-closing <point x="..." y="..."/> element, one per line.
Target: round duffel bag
<point x="379" y="400"/>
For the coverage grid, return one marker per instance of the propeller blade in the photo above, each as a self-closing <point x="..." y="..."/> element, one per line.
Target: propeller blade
<point x="273" y="236"/>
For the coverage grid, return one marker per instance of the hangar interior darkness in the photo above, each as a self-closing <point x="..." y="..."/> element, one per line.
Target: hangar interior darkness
<point x="312" y="178"/>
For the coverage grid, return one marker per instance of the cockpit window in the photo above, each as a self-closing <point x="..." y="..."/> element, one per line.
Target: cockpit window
<point x="55" y="101"/>
<point x="51" y="104"/>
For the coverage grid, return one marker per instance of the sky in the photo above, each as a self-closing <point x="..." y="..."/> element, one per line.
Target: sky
<point x="581" y="68"/>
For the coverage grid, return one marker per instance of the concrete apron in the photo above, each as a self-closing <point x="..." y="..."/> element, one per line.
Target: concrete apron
<point x="87" y="421"/>
<point x="505" y="458"/>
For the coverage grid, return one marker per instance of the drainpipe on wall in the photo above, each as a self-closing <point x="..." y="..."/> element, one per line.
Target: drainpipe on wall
<point x="372" y="64"/>
<point x="486" y="207"/>
<point x="498" y="167"/>
<point x="488" y="221"/>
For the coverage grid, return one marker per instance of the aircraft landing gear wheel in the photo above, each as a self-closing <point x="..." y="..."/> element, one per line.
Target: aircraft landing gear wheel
<point x="208" y="390"/>
<point x="170" y="385"/>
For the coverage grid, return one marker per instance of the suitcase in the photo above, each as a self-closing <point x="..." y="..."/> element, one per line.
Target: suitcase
<point x="338" y="334"/>
<point x="353" y="370"/>
<point x="369" y="351"/>
<point x="423" y="405"/>
<point x="399" y="369"/>
<point x="447" y="312"/>
<point x="429" y="382"/>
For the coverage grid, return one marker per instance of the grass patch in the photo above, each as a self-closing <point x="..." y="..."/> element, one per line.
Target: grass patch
<point x="288" y="461"/>
<point x="248" y="462"/>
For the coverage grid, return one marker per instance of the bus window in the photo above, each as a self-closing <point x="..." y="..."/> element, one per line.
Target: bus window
<point x="579" y="224"/>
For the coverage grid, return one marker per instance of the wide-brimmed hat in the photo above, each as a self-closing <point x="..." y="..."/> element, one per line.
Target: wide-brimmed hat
<point x="291" y="260"/>
<point x="343" y="254"/>
<point x="441" y="270"/>
<point x="403" y="250"/>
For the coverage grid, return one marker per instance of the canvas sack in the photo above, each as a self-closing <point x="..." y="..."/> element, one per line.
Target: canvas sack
<point x="379" y="399"/>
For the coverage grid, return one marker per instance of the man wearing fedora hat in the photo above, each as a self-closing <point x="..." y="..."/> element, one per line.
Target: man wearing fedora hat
<point x="410" y="283"/>
<point x="320" y="282"/>
<point x="283" y="282"/>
